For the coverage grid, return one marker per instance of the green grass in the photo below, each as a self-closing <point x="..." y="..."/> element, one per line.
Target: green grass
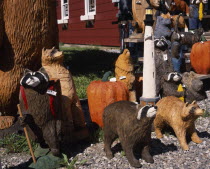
<point x="15" y="143"/>
<point x="81" y="82"/>
<point x="86" y="65"/>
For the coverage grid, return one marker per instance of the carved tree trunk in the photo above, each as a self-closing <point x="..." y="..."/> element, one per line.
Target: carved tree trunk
<point x="27" y="27"/>
<point x="1" y="23"/>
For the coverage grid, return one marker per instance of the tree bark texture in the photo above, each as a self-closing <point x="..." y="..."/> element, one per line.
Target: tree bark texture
<point x="25" y="28"/>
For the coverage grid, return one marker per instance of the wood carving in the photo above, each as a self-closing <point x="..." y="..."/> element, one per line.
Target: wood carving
<point x="180" y="6"/>
<point x="41" y="110"/>
<point x="73" y="117"/>
<point x="124" y="72"/>
<point x="132" y="124"/>
<point x="138" y="9"/>
<point x="180" y="116"/>
<point x="25" y="28"/>
<point x="6" y="121"/>
<point x="180" y="22"/>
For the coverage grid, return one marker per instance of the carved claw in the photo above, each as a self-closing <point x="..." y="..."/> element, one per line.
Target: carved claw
<point x="23" y="120"/>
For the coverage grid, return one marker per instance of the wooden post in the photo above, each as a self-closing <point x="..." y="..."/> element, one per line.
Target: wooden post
<point x="26" y="133"/>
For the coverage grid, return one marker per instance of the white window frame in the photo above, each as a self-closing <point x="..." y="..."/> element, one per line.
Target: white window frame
<point x="115" y="1"/>
<point x="88" y="15"/>
<point x="64" y="19"/>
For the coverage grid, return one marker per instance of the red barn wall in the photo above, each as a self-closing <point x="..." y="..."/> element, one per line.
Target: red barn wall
<point x="104" y="32"/>
<point x="58" y="9"/>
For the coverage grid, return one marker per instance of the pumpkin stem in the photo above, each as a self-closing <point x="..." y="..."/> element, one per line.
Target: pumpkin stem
<point x="105" y="76"/>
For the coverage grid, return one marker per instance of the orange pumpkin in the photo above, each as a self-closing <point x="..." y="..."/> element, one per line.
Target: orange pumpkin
<point x="100" y="94"/>
<point x="200" y="57"/>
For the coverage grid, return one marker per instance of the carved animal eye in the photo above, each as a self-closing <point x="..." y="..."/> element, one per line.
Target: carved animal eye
<point x="192" y="110"/>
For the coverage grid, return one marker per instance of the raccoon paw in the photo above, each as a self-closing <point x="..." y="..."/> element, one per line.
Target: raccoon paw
<point x="135" y="164"/>
<point x="55" y="152"/>
<point x="23" y="120"/>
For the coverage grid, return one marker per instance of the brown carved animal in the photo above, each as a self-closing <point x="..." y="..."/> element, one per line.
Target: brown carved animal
<point x="6" y="121"/>
<point x="25" y="28"/>
<point x="180" y="21"/>
<point x="132" y="124"/>
<point x="180" y="116"/>
<point x="41" y="110"/>
<point x="124" y="71"/>
<point x="180" y="6"/>
<point x="138" y="10"/>
<point x="73" y="117"/>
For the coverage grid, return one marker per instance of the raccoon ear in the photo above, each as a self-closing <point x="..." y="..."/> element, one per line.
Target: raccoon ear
<point x="44" y="73"/>
<point x="186" y="104"/>
<point x="26" y="71"/>
<point x="193" y="102"/>
<point x="42" y="70"/>
<point x="43" y="49"/>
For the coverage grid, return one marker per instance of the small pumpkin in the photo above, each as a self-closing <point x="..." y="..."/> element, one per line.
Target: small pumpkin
<point x="101" y="93"/>
<point x="200" y="57"/>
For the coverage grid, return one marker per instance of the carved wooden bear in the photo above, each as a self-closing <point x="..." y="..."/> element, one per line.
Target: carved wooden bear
<point x="40" y="104"/>
<point x="132" y="124"/>
<point x="35" y="26"/>
<point x="180" y="116"/>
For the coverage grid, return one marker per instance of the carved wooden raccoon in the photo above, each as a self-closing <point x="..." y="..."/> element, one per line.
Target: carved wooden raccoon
<point x="41" y="110"/>
<point x="180" y="116"/>
<point x="132" y="124"/>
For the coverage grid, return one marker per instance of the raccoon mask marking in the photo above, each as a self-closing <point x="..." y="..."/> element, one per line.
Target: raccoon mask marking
<point x="148" y="111"/>
<point x="38" y="80"/>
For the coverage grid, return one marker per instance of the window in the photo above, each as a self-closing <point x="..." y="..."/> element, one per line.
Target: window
<point x="90" y="10"/>
<point x="64" y="12"/>
<point x="65" y="9"/>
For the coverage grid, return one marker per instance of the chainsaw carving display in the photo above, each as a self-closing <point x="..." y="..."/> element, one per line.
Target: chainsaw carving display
<point x="132" y="124"/>
<point x="72" y="116"/>
<point x="41" y="110"/>
<point x="25" y="28"/>
<point x="124" y="72"/>
<point x="180" y="6"/>
<point x="180" y="116"/>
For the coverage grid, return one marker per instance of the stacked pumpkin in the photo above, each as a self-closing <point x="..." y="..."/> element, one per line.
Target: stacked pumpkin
<point x="101" y="93"/>
<point x="200" y="57"/>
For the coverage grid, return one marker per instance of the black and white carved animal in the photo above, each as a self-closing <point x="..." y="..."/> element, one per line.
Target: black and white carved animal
<point x="194" y="87"/>
<point x="186" y="38"/>
<point x="37" y="81"/>
<point x="132" y="124"/>
<point x="125" y="10"/>
<point x="41" y="111"/>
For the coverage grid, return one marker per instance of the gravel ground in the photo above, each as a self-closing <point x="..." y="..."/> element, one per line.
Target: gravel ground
<point x="166" y="152"/>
